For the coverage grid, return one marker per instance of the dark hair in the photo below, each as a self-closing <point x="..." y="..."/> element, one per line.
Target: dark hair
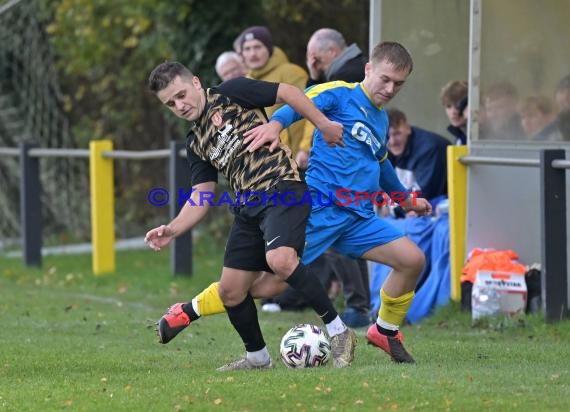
<point x="396" y="117"/>
<point x="393" y="53"/>
<point x="164" y="73"/>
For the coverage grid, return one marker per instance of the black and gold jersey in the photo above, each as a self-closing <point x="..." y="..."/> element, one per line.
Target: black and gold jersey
<point x="215" y="141"/>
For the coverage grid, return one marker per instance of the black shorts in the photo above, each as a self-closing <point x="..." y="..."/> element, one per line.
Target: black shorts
<point x="268" y="225"/>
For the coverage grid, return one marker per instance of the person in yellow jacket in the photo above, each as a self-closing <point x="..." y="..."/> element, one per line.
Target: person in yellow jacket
<point x="267" y="62"/>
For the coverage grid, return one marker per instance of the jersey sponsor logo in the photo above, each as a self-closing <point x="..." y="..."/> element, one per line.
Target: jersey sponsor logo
<point x="362" y="133"/>
<point x="227" y="143"/>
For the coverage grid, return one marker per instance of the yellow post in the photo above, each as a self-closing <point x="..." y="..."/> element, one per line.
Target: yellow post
<point x="457" y="191"/>
<point x="102" y="207"/>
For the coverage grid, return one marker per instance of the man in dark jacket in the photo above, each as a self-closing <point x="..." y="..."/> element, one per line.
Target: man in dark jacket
<point x="329" y="58"/>
<point x="419" y="157"/>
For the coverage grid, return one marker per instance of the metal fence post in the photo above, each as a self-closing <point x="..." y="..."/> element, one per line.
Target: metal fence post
<point x="553" y="236"/>
<point x="179" y="177"/>
<point x="30" y="206"/>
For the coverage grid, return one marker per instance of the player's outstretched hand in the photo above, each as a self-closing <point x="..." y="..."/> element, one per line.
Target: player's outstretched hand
<point x="332" y="133"/>
<point x="158" y="237"/>
<point x="418" y="205"/>
<point x="263" y="134"/>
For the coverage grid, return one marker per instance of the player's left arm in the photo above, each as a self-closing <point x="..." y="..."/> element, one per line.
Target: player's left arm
<point x="391" y="184"/>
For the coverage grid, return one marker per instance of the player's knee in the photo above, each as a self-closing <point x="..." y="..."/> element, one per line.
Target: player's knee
<point x="230" y="296"/>
<point x="416" y="261"/>
<point x="282" y="261"/>
<point x="412" y="263"/>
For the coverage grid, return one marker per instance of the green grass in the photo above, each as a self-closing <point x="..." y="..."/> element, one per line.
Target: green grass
<point x="73" y="341"/>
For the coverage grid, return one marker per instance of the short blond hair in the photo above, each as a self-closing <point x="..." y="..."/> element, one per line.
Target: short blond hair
<point x="393" y="53"/>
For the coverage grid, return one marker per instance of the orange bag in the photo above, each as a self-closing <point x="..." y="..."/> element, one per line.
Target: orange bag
<point x="491" y="260"/>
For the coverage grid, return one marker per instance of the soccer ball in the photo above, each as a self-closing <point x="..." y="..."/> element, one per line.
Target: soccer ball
<point x="305" y="346"/>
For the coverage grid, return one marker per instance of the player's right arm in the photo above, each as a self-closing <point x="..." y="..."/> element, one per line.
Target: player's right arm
<point x="190" y="215"/>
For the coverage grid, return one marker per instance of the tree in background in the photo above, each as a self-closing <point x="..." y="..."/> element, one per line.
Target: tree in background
<point x="106" y="48"/>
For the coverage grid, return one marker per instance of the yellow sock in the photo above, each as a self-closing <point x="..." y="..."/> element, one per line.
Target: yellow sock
<point x="208" y="301"/>
<point x="393" y="310"/>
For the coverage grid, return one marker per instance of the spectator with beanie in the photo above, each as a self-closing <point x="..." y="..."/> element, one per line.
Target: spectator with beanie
<point x="266" y="62"/>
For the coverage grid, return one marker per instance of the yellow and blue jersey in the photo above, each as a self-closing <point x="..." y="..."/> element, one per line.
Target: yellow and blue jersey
<point x="360" y="166"/>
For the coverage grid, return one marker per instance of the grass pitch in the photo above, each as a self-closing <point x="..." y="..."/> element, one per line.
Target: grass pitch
<point x="73" y="341"/>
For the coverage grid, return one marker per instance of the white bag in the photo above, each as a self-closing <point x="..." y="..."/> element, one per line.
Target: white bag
<point x="497" y="293"/>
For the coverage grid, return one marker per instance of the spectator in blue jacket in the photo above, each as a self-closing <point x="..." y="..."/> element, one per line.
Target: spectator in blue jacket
<point x="419" y="158"/>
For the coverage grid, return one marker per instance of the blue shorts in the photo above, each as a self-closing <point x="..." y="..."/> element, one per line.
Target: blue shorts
<point x="345" y="231"/>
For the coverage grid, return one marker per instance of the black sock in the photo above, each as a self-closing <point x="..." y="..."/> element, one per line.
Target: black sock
<point x="313" y="291"/>
<point x="386" y="332"/>
<point x="189" y="310"/>
<point x="243" y="317"/>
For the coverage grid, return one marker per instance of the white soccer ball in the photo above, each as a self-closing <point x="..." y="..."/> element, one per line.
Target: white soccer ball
<point x="305" y="346"/>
